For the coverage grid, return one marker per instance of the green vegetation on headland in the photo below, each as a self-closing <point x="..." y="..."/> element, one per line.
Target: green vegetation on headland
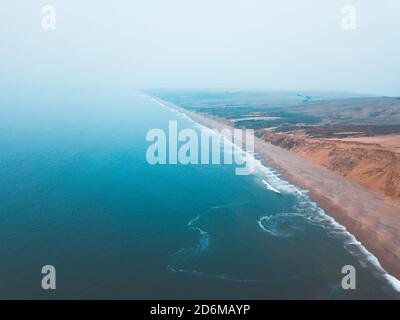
<point x="314" y="114"/>
<point x="283" y="118"/>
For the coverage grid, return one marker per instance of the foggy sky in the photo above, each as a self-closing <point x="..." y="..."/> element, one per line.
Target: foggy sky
<point x="273" y="45"/>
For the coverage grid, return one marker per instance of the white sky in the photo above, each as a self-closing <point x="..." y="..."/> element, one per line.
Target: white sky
<point x="276" y="45"/>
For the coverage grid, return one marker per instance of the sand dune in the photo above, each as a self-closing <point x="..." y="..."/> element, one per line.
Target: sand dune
<point x="373" y="162"/>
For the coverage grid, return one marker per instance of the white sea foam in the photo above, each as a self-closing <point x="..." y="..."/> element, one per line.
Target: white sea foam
<point x="269" y="187"/>
<point x="317" y="216"/>
<point x="275" y="224"/>
<point x="309" y="209"/>
<point x="202" y="245"/>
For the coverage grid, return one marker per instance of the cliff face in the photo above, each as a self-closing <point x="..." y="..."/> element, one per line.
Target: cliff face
<point x="372" y="165"/>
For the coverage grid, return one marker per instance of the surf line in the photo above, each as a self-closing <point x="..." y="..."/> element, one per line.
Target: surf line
<point x="270" y="187"/>
<point x="231" y="146"/>
<point x="376" y="267"/>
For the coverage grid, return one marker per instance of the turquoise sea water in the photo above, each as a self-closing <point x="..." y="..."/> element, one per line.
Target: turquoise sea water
<point x="77" y="192"/>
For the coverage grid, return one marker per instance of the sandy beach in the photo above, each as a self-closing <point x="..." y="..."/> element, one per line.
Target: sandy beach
<point x="372" y="220"/>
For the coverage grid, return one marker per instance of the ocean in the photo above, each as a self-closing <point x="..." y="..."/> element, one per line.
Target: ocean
<point x="77" y="193"/>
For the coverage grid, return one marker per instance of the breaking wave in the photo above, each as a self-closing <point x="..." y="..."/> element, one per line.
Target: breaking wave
<point x="280" y="225"/>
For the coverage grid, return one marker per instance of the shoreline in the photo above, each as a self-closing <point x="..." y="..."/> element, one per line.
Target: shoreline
<point x="364" y="214"/>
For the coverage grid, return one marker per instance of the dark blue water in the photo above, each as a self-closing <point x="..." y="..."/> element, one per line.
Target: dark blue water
<point x="77" y="192"/>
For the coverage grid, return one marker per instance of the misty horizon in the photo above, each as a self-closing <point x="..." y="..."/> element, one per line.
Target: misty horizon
<point x="285" y="46"/>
